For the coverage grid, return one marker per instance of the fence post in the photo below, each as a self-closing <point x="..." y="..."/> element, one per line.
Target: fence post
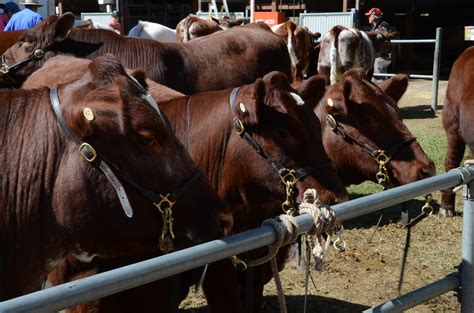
<point x="467" y="273"/>
<point x="436" y="65"/>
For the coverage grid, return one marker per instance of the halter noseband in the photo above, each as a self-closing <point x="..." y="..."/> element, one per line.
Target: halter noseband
<point x="382" y="157"/>
<point x="164" y="203"/>
<point x="289" y="177"/>
<point x="5" y="69"/>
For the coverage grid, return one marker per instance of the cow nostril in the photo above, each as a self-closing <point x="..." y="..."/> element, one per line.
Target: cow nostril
<point x="225" y="222"/>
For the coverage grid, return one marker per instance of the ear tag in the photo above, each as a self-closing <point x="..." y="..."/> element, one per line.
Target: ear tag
<point x="330" y="103"/>
<point x="88" y="114"/>
<point x="242" y="107"/>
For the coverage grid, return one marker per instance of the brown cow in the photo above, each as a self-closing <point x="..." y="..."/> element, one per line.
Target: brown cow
<point x="343" y="48"/>
<point x="289" y="132"/>
<point x="241" y="54"/>
<point x="192" y="27"/>
<point x="358" y="121"/>
<point x="457" y="116"/>
<point x="8" y="39"/>
<point x="301" y="44"/>
<point x="54" y="202"/>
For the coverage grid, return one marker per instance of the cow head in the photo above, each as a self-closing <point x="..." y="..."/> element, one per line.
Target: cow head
<point x="275" y="116"/>
<point x="137" y="143"/>
<point x="358" y="117"/>
<point x="33" y="47"/>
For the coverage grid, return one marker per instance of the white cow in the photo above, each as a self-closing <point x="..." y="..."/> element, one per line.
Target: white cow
<point x="154" y="31"/>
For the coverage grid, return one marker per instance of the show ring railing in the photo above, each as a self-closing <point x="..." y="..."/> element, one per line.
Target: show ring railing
<point x="127" y="277"/>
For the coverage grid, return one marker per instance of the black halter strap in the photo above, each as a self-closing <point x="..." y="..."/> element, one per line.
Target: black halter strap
<point x="89" y="153"/>
<point x="5" y="69"/>
<point x="300" y="174"/>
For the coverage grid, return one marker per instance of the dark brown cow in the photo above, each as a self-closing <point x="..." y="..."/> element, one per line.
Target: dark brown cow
<point x="301" y="45"/>
<point x="53" y="202"/>
<point x="192" y="27"/>
<point x="239" y="55"/>
<point x="343" y="48"/>
<point x="8" y="39"/>
<point x="248" y="182"/>
<point x="359" y="120"/>
<point x="457" y="116"/>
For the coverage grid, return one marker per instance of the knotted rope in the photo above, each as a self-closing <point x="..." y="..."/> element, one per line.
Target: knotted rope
<point x="285" y="227"/>
<point x="324" y="222"/>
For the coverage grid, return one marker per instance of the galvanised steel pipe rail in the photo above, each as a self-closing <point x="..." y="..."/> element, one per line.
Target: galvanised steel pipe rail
<point x="127" y="277"/>
<point x="436" y="65"/>
<point x="418" y="296"/>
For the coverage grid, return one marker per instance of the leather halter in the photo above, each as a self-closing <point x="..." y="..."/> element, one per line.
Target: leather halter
<point x="382" y="157"/>
<point x="163" y="203"/>
<point x="289" y="177"/>
<point x="5" y="69"/>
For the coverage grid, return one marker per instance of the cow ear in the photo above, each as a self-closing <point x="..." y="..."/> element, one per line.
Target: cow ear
<point x="140" y="76"/>
<point x="105" y="69"/>
<point x="312" y="90"/>
<point x="64" y="25"/>
<point x="238" y="22"/>
<point x="215" y="20"/>
<point x="249" y="110"/>
<point x="395" y="87"/>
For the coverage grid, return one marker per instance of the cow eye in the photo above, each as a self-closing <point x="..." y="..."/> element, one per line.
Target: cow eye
<point x="146" y="141"/>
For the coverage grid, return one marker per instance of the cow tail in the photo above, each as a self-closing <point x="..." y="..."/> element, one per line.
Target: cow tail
<point x="291" y="47"/>
<point x="333" y="57"/>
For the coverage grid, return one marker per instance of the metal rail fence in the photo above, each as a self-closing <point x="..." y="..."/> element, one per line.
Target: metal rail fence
<point x="127" y="277"/>
<point x="436" y="64"/>
<point x="323" y="22"/>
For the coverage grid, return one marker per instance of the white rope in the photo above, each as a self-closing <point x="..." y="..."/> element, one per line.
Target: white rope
<point x="324" y="222"/>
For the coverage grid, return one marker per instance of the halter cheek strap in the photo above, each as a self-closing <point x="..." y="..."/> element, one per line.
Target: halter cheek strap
<point x="90" y="155"/>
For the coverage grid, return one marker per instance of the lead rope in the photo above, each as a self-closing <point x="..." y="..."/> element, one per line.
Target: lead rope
<point x="285" y="228"/>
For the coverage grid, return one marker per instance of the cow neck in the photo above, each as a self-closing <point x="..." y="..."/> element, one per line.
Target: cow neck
<point x="163" y="203"/>
<point x="289" y="177"/>
<point x="382" y="157"/>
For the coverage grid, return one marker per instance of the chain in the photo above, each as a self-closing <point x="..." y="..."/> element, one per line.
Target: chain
<point x="427" y="208"/>
<point x="382" y="175"/>
<point x="289" y="180"/>
<point x="167" y="234"/>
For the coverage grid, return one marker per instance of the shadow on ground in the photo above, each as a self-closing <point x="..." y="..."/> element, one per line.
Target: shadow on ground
<point x="315" y="304"/>
<point x="390" y="215"/>
<point x="296" y="304"/>
<point x="417" y="112"/>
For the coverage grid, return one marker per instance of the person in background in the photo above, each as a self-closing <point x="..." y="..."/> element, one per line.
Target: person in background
<point x="26" y="18"/>
<point x="9" y="9"/>
<point x="115" y="23"/>
<point x="383" y="58"/>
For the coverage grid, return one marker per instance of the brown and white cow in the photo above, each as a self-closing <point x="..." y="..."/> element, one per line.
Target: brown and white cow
<point x="301" y="44"/>
<point x="288" y="130"/>
<point x="359" y="119"/>
<point x="227" y="59"/>
<point x="343" y="48"/>
<point x="55" y="198"/>
<point x="193" y="26"/>
<point x="457" y="117"/>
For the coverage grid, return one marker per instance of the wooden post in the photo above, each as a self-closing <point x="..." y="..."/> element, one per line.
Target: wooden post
<point x="274" y="6"/>
<point x="60" y="7"/>
<point x="357" y="5"/>
<point x="344" y="5"/>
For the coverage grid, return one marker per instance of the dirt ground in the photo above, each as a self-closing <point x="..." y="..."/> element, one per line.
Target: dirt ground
<point x="366" y="274"/>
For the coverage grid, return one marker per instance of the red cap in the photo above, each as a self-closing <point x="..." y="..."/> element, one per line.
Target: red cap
<point x="374" y="11"/>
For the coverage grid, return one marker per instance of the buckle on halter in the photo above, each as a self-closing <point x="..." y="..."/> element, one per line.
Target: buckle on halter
<point x="87" y="152"/>
<point x="4" y="69"/>
<point x="239" y="127"/>
<point x="164" y="200"/>
<point x="38" y="53"/>
<point x="382" y="157"/>
<point x="331" y="121"/>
